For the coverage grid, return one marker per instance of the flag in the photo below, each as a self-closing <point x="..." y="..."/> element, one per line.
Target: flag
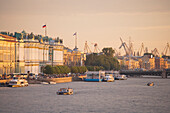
<point x="75" y="33"/>
<point x="43" y="26"/>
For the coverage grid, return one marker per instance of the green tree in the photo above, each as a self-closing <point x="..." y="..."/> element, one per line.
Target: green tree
<point x="57" y="70"/>
<point x="66" y="69"/>
<point x="107" y="61"/>
<point x="74" y="69"/>
<point x="49" y="69"/>
<point x="108" y="51"/>
<point x="62" y="71"/>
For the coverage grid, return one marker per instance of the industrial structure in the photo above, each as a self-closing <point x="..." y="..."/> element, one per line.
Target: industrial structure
<point x="143" y="59"/>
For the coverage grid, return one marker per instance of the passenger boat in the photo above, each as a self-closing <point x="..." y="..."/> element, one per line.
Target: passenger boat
<point x="109" y="78"/>
<point x="65" y="91"/>
<point x="95" y="76"/>
<point x="18" y="82"/>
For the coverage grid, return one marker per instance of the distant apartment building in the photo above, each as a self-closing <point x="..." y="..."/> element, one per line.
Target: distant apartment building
<point x="148" y="61"/>
<point x="128" y="63"/>
<point x="161" y="63"/>
<point x="7" y="54"/>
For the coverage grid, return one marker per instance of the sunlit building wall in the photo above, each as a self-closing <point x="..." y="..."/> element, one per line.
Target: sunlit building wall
<point x="7" y="54"/>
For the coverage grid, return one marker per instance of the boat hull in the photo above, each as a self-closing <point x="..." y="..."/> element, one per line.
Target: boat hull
<point x="58" y="80"/>
<point x="120" y="78"/>
<point x="18" y="85"/>
<point x="109" y="80"/>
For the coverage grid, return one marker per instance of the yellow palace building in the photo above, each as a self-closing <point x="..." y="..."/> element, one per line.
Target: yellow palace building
<point x="7" y="54"/>
<point x="28" y="54"/>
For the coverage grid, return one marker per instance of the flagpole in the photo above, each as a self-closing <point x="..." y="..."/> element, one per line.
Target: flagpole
<point x="76" y="40"/>
<point x="46" y="30"/>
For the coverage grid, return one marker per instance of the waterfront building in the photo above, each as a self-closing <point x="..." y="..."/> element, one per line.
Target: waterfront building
<point x="28" y="52"/>
<point x="7" y="54"/>
<point x="73" y="57"/>
<point x="56" y="53"/>
<point x="161" y="63"/>
<point x="67" y="56"/>
<point x="148" y="61"/>
<point x="125" y="63"/>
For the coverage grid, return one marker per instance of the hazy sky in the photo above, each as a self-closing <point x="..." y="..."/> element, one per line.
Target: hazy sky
<point x="95" y="21"/>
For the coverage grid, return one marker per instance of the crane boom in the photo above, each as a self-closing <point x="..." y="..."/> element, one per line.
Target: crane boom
<point x="124" y="46"/>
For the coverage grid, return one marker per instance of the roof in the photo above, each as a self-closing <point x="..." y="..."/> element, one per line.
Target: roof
<point x="7" y="38"/>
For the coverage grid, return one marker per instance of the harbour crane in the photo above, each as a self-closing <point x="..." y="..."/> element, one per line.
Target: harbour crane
<point x="86" y="48"/>
<point x="116" y="52"/>
<point x="141" y="50"/>
<point x="96" y="48"/>
<point x="167" y="47"/>
<point x="130" y="48"/>
<point x="124" y="46"/>
<point x="155" y="52"/>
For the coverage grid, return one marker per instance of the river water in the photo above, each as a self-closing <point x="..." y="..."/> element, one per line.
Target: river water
<point x="128" y="96"/>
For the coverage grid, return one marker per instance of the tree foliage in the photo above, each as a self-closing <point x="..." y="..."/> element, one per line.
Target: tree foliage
<point x="108" y="51"/>
<point x="56" y="69"/>
<point x="49" y="69"/>
<point x="78" y="69"/>
<point x="106" y="60"/>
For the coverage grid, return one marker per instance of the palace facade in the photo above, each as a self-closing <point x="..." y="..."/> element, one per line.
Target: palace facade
<point x="20" y="55"/>
<point x="7" y="54"/>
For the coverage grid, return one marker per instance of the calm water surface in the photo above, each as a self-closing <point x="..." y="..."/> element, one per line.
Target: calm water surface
<point x="129" y="96"/>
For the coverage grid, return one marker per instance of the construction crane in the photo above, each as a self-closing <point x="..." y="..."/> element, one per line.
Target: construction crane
<point x="124" y="46"/>
<point x="86" y="48"/>
<point x="167" y="47"/>
<point x="155" y="52"/>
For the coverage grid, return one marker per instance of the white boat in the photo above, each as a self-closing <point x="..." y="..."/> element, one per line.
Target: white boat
<point x="44" y="83"/>
<point x="109" y="78"/>
<point x="119" y="77"/>
<point x="18" y="82"/>
<point x="52" y="82"/>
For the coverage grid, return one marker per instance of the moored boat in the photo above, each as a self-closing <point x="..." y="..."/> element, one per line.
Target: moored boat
<point x="58" y="80"/>
<point x="18" y="82"/>
<point x="94" y="76"/>
<point x="65" y="91"/>
<point x="109" y="78"/>
<point x="119" y="77"/>
<point x="44" y="83"/>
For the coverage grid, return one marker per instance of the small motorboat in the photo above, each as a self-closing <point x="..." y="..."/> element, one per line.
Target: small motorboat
<point x="65" y="91"/>
<point x="150" y="84"/>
